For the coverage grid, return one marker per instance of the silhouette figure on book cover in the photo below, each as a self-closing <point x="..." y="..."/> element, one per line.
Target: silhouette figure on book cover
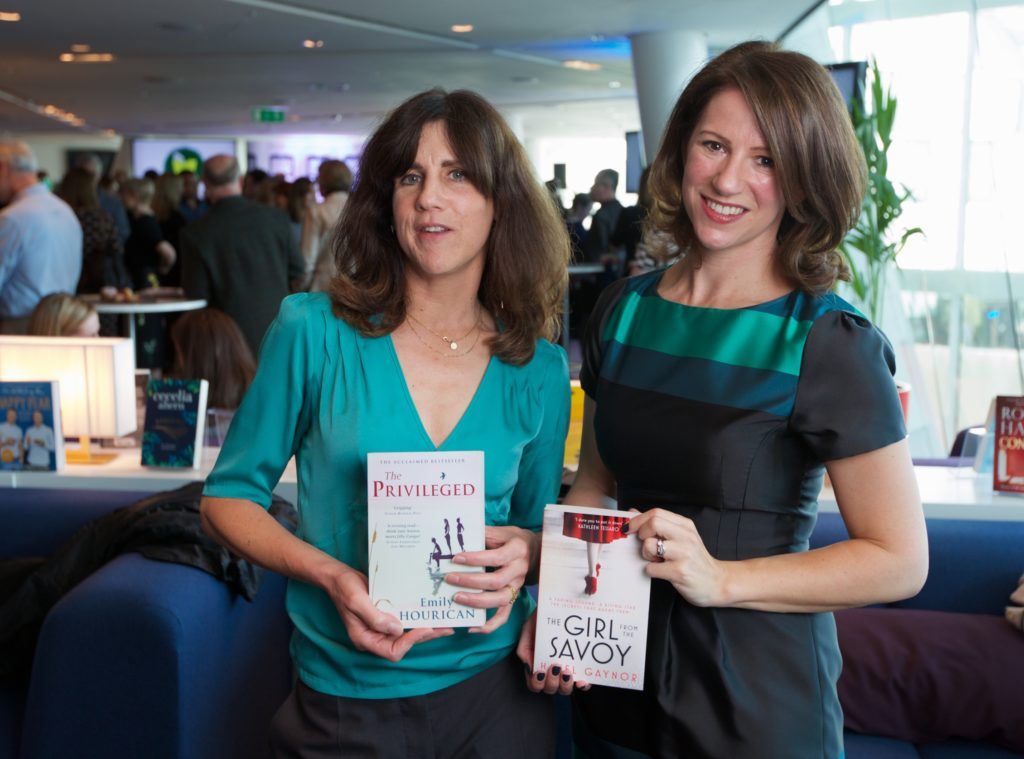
<point x="595" y="530"/>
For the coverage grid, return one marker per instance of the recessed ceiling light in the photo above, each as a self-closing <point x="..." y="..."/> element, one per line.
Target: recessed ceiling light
<point x="582" y="65"/>
<point x="614" y="84"/>
<point x="79" y="48"/>
<point x="10" y="16"/>
<point x="310" y="44"/>
<point x="462" y="28"/>
<point x="87" y="57"/>
<point x="597" y="38"/>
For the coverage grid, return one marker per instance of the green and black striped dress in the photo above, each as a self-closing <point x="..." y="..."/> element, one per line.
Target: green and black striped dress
<point x="726" y="417"/>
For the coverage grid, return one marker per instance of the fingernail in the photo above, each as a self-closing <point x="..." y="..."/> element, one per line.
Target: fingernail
<point x="395" y="629"/>
<point x="566" y="677"/>
<point x="540" y="677"/>
<point x="459" y="559"/>
<point x="556" y="671"/>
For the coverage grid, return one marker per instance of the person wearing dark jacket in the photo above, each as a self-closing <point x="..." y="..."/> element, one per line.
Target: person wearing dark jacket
<point x="241" y="256"/>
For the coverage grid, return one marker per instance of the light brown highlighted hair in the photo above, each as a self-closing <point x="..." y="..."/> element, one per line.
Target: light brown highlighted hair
<point x="818" y="163"/>
<point x="527" y="251"/>
<point x="78" y="190"/>
<point x="58" y="315"/>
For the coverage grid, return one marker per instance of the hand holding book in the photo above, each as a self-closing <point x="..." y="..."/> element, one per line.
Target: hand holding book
<point x="512" y="553"/>
<point x="369" y="628"/>
<point x="555" y="679"/>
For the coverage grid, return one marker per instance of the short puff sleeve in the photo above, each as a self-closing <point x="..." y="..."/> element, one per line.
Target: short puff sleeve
<point x="846" y="400"/>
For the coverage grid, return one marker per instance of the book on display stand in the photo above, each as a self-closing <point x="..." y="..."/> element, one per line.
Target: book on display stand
<point x="422" y="509"/>
<point x="175" y="422"/>
<point x="1008" y="448"/>
<point x="30" y="426"/>
<point x="593" y="597"/>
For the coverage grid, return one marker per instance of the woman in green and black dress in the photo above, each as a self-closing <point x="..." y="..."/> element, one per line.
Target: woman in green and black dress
<point x="719" y="391"/>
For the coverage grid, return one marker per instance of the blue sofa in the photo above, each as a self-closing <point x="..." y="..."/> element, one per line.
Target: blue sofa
<point x="143" y="658"/>
<point x="146" y="659"/>
<point x="974" y="565"/>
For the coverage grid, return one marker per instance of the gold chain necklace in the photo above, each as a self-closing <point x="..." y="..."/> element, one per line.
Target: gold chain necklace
<point x="453" y="342"/>
<point x="446" y="354"/>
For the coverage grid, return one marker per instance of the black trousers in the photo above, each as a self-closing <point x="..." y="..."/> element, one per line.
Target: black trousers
<point x="491" y="715"/>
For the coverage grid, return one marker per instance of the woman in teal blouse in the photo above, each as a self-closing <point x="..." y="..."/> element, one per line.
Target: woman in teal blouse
<point x="434" y="336"/>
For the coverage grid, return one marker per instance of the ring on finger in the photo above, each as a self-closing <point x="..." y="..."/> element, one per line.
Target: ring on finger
<point x="514" y="593"/>
<point x="660" y="548"/>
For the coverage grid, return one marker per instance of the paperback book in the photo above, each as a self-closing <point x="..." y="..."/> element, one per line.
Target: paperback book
<point x="30" y="431"/>
<point x="175" y="422"/>
<point x="593" y="597"/>
<point x="423" y="509"/>
<point x="1008" y="463"/>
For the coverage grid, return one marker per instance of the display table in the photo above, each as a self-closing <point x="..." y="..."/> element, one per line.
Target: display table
<point x="126" y="472"/>
<point x="954" y="493"/>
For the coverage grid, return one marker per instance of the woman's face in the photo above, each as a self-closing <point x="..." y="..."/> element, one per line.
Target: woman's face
<point x="442" y="221"/>
<point x="90" y="327"/>
<point x="730" y="191"/>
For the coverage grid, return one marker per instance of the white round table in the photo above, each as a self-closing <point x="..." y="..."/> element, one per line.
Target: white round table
<point x="129" y="309"/>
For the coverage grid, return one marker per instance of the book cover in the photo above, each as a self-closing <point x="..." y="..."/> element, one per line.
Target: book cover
<point x="175" y="423"/>
<point x="593" y="597"/>
<point x="30" y="431"/>
<point x="423" y="509"/>
<point x="1008" y="464"/>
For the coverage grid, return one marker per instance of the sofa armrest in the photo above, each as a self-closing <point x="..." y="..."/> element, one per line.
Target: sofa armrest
<point x="146" y="658"/>
<point x="973" y="564"/>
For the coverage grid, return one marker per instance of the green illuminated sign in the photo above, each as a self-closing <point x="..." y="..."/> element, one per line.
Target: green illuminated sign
<point x="268" y="115"/>
<point x="183" y="159"/>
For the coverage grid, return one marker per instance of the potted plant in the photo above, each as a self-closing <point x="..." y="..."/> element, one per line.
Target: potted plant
<point x="871" y="247"/>
<point x="873" y="244"/>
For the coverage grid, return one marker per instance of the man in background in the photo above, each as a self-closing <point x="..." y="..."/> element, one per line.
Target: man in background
<point x="241" y="255"/>
<point x="40" y="239"/>
<point x="191" y="207"/>
<point x="597" y="248"/>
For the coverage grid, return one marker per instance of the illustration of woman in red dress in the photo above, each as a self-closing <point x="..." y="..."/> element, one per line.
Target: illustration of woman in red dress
<point x="595" y="530"/>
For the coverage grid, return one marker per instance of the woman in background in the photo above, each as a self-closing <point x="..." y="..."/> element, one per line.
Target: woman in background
<point x="63" y="315"/>
<point x="102" y="250"/>
<point x="208" y="345"/>
<point x="167" y="196"/>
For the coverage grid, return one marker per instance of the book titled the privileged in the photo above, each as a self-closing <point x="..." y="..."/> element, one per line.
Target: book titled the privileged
<point x="423" y="508"/>
<point x="593" y="596"/>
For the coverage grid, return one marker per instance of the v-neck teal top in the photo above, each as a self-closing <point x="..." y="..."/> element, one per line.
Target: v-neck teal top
<point x="329" y="395"/>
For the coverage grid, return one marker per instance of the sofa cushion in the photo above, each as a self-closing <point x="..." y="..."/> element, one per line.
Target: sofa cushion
<point x="859" y="746"/>
<point x="927" y="676"/>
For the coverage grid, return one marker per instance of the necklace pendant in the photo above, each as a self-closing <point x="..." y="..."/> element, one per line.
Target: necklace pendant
<point x="453" y="345"/>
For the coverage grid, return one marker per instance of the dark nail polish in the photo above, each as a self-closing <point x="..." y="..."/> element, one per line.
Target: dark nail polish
<point x="566" y="677"/>
<point x="556" y="671"/>
<point x="540" y="676"/>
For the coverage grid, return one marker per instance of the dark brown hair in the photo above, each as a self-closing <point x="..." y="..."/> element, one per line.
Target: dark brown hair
<point x="78" y="190"/>
<point x="209" y="345"/>
<point x="334" y="176"/>
<point x="527" y="250"/>
<point x="818" y="163"/>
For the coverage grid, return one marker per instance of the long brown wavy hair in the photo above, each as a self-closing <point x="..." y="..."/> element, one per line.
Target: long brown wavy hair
<point x="527" y="251"/>
<point x="818" y="163"/>
<point x="208" y="344"/>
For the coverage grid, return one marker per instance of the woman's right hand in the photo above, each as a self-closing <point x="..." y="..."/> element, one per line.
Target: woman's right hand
<point x="369" y="628"/>
<point x="556" y="679"/>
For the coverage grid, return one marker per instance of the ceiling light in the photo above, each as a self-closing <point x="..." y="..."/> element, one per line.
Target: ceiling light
<point x="462" y="28"/>
<point x="87" y="57"/>
<point x="310" y="44"/>
<point x="614" y="84"/>
<point x="597" y="38"/>
<point x="582" y="65"/>
<point x="80" y="48"/>
<point x="9" y="16"/>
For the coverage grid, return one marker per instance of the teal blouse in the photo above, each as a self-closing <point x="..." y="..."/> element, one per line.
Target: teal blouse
<point x="329" y="395"/>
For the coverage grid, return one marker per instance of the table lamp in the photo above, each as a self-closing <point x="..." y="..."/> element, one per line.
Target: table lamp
<point x="97" y="383"/>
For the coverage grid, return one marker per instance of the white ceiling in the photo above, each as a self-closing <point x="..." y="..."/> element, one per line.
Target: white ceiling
<point x="199" y="66"/>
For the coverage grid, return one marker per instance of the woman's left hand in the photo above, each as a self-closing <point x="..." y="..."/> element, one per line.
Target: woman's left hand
<point x="684" y="561"/>
<point x="511" y="552"/>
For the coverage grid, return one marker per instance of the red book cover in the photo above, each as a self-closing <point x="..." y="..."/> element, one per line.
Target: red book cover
<point x="1008" y="467"/>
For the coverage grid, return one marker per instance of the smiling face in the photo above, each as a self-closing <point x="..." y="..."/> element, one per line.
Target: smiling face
<point x="441" y="220"/>
<point x="729" y="187"/>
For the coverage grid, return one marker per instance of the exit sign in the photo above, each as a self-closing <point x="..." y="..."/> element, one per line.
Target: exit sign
<point x="268" y="115"/>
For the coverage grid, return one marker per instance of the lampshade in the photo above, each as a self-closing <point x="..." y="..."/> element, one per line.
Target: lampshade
<point x="96" y="375"/>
